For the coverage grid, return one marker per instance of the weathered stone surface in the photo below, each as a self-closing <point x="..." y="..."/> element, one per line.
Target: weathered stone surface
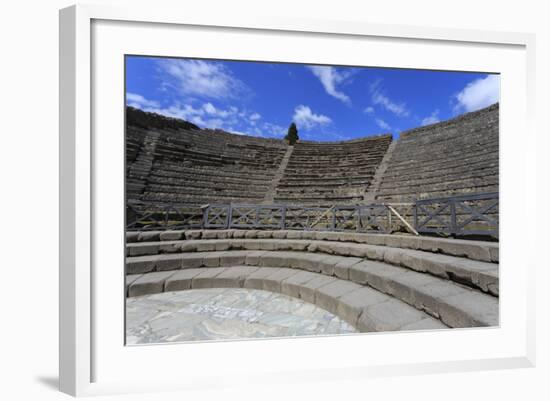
<point x="145" y="236"/>
<point x="294" y="234"/>
<point x="351" y="305"/>
<point x="139" y="249"/>
<point x="291" y="285"/>
<point x="150" y="283"/>
<point x="341" y="269"/>
<point x="205" y="278"/>
<point x="191" y="260"/>
<point x="327" y="296"/>
<point x="211" y="259"/>
<point x="234" y="276"/>
<point x="233" y="258"/>
<point x="181" y="280"/>
<point x="328" y="263"/>
<point x="239" y="233"/>
<point x="193" y="234"/>
<point x="132" y="236"/>
<point x="171" y="235"/>
<point x="307" y="290"/>
<point x="254" y="258"/>
<point x="145" y="264"/>
<point x="276" y="259"/>
<point x="130" y="278"/>
<point x="375" y="274"/>
<point x="256" y="279"/>
<point x="388" y="316"/>
<point x="470" y="309"/>
<point x="272" y="282"/>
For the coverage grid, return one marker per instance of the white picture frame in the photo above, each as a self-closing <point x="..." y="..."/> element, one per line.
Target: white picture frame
<point x="93" y="359"/>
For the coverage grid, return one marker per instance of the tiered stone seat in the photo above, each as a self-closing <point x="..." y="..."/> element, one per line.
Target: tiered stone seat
<point x="454" y="157"/>
<point x="188" y="165"/>
<point x="326" y="173"/>
<point x="374" y="282"/>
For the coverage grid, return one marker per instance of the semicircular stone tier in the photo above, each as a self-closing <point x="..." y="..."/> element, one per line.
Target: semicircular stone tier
<point x="373" y="282"/>
<point x="454" y="157"/>
<point x="180" y="163"/>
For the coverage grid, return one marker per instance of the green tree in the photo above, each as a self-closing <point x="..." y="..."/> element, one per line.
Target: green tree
<point x="292" y="135"/>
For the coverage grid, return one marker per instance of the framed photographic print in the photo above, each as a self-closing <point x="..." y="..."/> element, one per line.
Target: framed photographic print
<point x="272" y="196"/>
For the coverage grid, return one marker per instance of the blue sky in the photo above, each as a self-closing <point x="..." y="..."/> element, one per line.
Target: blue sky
<point x="327" y="103"/>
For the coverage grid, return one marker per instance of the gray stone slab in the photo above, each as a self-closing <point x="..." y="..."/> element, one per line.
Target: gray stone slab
<point x="132" y="236"/>
<point x="211" y="259"/>
<point x="239" y="233"/>
<point x="307" y="290"/>
<point x="327" y="296"/>
<point x="150" y="283"/>
<point x="256" y="279"/>
<point x="149" y="263"/>
<point x="205" y="278"/>
<point x="388" y="316"/>
<point x="139" y="249"/>
<point x="193" y="234"/>
<point x="375" y="274"/>
<point x="233" y="258"/>
<point x="130" y="278"/>
<point x="234" y="276"/>
<point x="171" y="235"/>
<point x="254" y="258"/>
<point x="276" y="259"/>
<point x="146" y="236"/>
<point x="470" y="309"/>
<point x="181" y="280"/>
<point x="291" y="285"/>
<point x="351" y="305"/>
<point x="291" y="234"/>
<point x="273" y="281"/>
<point x="341" y="269"/>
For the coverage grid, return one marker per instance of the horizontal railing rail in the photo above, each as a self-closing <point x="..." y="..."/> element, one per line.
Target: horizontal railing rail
<point x="459" y="215"/>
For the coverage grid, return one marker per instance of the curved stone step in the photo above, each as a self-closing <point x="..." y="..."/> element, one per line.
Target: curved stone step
<point x="476" y="250"/>
<point x="364" y="308"/>
<point x="481" y="275"/>
<point x="456" y="305"/>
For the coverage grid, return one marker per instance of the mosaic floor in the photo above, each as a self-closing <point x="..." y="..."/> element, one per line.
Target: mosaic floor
<point x="224" y="313"/>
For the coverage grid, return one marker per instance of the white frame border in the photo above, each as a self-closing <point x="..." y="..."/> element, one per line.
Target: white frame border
<point x="75" y="279"/>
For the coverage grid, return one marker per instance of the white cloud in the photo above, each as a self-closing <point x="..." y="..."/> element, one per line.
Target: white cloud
<point x="255" y="116"/>
<point x="330" y="77"/>
<point x="139" y="102"/>
<point x="382" y="124"/>
<point x="305" y="118"/>
<point x="369" y="110"/>
<point x="478" y="94"/>
<point x="431" y="119"/>
<point x="231" y="119"/>
<point x="379" y="98"/>
<point x="201" y="78"/>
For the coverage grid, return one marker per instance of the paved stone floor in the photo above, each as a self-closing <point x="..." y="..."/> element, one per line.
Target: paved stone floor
<point x="224" y="313"/>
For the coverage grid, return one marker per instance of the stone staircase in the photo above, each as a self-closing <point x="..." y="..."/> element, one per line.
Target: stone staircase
<point x="271" y="192"/>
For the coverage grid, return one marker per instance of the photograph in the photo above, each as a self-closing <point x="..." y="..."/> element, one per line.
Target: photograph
<point x="276" y="199"/>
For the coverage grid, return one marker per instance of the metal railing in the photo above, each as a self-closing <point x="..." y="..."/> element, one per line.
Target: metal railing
<point x="459" y="215"/>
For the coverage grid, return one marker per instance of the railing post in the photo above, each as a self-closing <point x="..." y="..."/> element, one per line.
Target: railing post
<point x="229" y="216"/>
<point x="333" y="220"/>
<point x="454" y="229"/>
<point x="415" y="216"/>
<point x="283" y="217"/>
<point x="205" y="217"/>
